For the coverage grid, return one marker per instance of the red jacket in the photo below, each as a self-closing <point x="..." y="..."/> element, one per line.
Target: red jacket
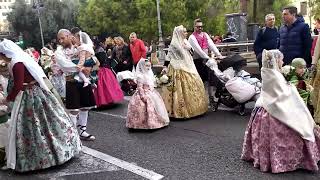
<point x="138" y="50"/>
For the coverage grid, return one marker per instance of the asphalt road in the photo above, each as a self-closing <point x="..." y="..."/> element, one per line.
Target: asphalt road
<point x="206" y="147"/>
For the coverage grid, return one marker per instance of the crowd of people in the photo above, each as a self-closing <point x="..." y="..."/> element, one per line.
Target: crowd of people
<point x="48" y="98"/>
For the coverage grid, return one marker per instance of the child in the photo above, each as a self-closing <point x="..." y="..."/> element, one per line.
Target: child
<point x="146" y="109"/>
<point x="86" y="60"/>
<point x="298" y="78"/>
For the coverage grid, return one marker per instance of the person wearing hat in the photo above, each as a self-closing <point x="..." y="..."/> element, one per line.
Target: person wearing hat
<point x="299" y="79"/>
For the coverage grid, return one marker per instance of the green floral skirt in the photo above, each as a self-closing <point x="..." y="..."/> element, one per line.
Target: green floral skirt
<point x="45" y="135"/>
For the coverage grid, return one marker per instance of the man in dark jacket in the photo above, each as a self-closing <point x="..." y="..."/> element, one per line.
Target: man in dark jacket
<point x="295" y="37"/>
<point x="267" y="38"/>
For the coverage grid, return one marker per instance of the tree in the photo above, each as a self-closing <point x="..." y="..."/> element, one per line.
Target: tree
<point x="244" y="6"/>
<point x="55" y="15"/>
<point x="315" y="8"/>
<point x="264" y="7"/>
<point x="123" y="17"/>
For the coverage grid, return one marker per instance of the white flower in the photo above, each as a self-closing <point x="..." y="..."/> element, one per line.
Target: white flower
<point x="286" y="69"/>
<point x="164" y="79"/>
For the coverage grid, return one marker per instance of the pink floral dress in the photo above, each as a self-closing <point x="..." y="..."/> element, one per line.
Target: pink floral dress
<point x="142" y="113"/>
<point x="273" y="146"/>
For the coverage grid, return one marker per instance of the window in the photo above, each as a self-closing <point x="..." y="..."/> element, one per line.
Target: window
<point x="303" y="8"/>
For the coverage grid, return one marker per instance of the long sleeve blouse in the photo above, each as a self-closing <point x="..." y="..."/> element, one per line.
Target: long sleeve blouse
<point x="20" y="75"/>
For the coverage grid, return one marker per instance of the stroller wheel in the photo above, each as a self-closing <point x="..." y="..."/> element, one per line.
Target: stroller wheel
<point x="242" y="109"/>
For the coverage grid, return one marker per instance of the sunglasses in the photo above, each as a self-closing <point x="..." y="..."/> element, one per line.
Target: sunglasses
<point x="198" y="26"/>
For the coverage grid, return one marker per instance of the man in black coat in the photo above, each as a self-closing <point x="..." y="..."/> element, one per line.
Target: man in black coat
<point x="267" y="38"/>
<point x="295" y="37"/>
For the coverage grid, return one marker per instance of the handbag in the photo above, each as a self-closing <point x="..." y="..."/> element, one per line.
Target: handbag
<point x="240" y="89"/>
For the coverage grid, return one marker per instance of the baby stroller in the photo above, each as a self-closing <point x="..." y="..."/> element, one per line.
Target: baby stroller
<point x="127" y="82"/>
<point x="236" y="62"/>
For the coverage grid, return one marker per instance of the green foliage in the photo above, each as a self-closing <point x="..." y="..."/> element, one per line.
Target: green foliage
<point x="315" y="8"/>
<point x="265" y="7"/>
<point x="121" y="17"/>
<point x="55" y="15"/>
<point x="140" y="16"/>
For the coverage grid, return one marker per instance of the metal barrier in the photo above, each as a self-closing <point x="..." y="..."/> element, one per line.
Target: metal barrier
<point x="231" y="48"/>
<point x="235" y="48"/>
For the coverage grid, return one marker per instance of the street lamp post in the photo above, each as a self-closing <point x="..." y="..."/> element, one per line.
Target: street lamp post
<point x="38" y="5"/>
<point x="161" y="43"/>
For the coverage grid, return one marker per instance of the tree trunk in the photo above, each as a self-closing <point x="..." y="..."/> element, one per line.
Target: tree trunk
<point x="255" y="6"/>
<point x="243" y="6"/>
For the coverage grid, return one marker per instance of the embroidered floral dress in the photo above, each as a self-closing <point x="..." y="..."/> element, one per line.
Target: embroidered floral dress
<point x="146" y="109"/>
<point x="279" y="139"/>
<point x="44" y="133"/>
<point x="141" y="110"/>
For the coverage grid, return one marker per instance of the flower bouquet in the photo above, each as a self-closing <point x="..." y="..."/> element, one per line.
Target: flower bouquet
<point x="162" y="80"/>
<point x="288" y="71"/>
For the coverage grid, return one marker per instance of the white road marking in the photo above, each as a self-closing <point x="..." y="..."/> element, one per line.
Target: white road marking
<point x="123" y="164"/>
<point x="124" y="117"/>
<point x="109" y="114"/>
<point x="82" y="164"/>
<point x="61" y="176"/>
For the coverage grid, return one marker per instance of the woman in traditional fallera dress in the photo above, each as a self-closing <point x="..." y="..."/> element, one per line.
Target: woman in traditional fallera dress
<point x="41" y="134"/>
<point x="108" y="90"/>
<point x="146" y="109"/>
<point x="315" y="82"/>
<point x="185" y="97"/>
<point x="281" y="135"/>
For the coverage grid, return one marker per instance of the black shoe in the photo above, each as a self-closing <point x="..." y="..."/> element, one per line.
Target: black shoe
<point x="213" y="104"/>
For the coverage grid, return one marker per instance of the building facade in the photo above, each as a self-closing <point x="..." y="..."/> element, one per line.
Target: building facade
<point x="304" y="10"/>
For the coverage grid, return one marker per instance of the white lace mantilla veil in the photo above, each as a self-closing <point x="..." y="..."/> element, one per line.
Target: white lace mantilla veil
<point x="178" y="55"/>
<point x="16" y="54"/>
<point x="281" y="99"/>
<point x="143" y="75"/>
<point x="86" y="42"/>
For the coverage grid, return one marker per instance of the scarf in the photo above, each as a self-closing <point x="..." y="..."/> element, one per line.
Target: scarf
<point x="16" y="54"/>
